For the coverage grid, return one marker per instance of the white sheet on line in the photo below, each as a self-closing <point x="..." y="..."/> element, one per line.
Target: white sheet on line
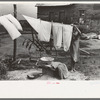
<point x="57" y="35"/>
<point x="14" y="21"/>
<point x="45" y="33"/>
<point x="35" y="23"/>
<point x="12" y="30"/>
<point x="43" y="28"/>
<point x="67" y="36"/>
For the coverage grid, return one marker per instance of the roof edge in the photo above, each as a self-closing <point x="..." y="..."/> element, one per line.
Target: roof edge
<point x="45" y="5"/>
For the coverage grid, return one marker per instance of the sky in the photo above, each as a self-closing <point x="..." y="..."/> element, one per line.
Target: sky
<point x="26" y="9"/>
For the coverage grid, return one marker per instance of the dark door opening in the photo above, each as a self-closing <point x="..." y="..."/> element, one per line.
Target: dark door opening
<point x="62" y="17"/>
<point x="51" y="16"/>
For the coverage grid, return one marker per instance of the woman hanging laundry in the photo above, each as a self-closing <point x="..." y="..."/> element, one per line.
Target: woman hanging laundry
<point x="61" y="32"/>
<point x="74" y="48"/>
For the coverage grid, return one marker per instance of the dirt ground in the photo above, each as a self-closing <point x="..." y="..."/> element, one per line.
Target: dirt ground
<point x="88" y="67"/>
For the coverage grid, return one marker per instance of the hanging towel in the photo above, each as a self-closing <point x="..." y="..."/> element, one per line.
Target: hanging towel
<point x="57" y="34"/>
<point x="67" y="36"/>
<point x="13" y="32"/>
<point x="74" y="48"/>
<point x="43" y="28"/>
<point x="45" y="33"/>
<point x="14" y="21"/>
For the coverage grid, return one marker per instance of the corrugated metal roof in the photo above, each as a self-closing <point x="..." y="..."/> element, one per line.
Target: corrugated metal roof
<point x="52" y="4"/>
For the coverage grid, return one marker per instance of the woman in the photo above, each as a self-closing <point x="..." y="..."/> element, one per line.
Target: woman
<point x="74" y="48"/>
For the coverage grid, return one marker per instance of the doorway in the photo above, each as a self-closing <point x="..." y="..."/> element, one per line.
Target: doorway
<point x="62" y="16"/>
<point x="51" y="16"/>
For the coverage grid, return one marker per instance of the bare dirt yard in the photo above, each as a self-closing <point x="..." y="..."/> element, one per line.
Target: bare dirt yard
<point x="88" y="67"/>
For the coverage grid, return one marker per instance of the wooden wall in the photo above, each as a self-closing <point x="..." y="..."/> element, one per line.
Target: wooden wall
<point x="72" y="14"/>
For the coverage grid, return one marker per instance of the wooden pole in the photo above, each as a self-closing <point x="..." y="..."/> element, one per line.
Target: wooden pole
<point x="15" y="41"/>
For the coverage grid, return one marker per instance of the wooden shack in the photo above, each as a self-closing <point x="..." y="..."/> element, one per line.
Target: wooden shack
<point x="85" y="14"/>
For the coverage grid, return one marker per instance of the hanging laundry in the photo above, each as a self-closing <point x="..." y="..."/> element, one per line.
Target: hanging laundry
<point x="35" y="23"/>
<point x="43" y="28"/>
<point x="45" y="33"/>
<point x="67" y="36"/>
<point x="57" y="34"/>
<point x="13" y="32"/>
<point x="14" y="21"/>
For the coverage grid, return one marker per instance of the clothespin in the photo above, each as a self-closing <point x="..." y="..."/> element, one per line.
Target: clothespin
<point x="51" y="26"/>
<point x="52" y="22"/>
<point x="62" y="26"/>
<point x="72" y="24"/>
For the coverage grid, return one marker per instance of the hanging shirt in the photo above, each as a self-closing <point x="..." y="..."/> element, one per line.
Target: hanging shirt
<point x="14" y="21"/>
<point x="43" y="28"/>
<point x="67" y="36"/>
<point x="13" y="32"/>
<point x="57" y="34"/>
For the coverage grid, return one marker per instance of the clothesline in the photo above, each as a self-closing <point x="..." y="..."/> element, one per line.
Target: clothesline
<point x="61" y="32"/>
<point x="51" y="21"/>
<point x="12" y="25"/>
<point x="77" y="30"/>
